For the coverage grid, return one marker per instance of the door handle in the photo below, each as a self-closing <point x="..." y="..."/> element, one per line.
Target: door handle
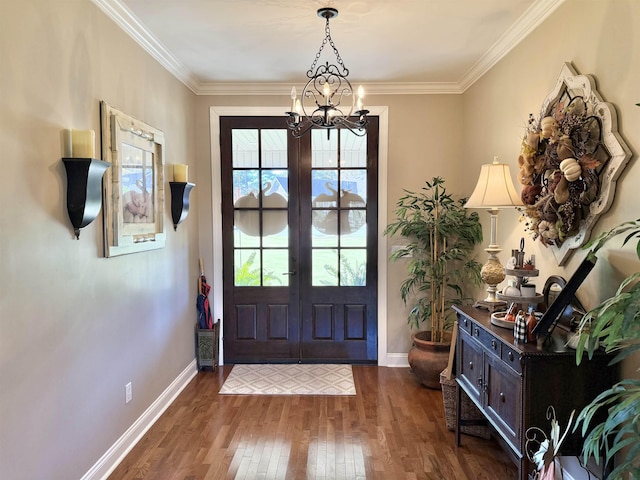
<point x="290" y="273"/>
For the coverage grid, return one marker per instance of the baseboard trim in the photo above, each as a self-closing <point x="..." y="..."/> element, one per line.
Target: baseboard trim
<point x="397" y="360"/>
<point x="112" y="457"/>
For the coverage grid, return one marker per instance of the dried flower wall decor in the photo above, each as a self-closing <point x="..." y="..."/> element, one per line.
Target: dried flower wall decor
<point x="570" y="159"/>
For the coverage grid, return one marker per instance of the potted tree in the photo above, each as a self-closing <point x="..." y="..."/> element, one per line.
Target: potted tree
<point x="614" y="324"/>
<point x="442" y="236"/>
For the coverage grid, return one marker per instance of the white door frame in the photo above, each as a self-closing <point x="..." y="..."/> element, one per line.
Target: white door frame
<point x="216" y="197"/>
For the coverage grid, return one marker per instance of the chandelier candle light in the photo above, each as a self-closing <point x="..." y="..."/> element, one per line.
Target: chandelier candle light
<point x="494" y="190"/>
<point x="327" y="100"/>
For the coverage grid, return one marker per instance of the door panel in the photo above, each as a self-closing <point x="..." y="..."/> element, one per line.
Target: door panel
<point x="299" y="243"/>
<point x="503" y="394"/>
<point x="338" y="193"/>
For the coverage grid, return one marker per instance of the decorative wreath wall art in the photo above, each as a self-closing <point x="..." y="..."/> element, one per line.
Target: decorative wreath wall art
<point x="570" y="159"/>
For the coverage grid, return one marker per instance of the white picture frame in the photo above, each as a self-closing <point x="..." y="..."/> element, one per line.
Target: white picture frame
<point x="133" y="188"/>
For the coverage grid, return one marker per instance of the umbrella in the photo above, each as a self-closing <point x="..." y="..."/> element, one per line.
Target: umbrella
<point x="202" y="304"/>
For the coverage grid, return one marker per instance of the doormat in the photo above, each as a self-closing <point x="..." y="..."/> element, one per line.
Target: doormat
<point x="289" y="379"/>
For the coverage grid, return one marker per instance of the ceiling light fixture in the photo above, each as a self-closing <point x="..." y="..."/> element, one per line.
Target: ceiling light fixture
<point x="327" y="100"/>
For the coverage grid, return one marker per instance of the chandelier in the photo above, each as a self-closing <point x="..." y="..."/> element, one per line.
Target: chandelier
<point x="327" y="100"/>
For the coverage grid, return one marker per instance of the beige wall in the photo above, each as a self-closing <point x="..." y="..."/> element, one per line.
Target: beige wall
<point x="600" y="38"/>
<point x="76" y="327"/>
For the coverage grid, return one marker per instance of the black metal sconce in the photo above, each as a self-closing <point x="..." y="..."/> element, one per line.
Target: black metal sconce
<point x="84" y="190"/>
<point x="180" y="201"/>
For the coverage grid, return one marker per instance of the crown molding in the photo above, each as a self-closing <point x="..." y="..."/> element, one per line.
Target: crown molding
<point x="373" y="88"/>
<point x="128" y="22"/>
<point x="528" y="21"/>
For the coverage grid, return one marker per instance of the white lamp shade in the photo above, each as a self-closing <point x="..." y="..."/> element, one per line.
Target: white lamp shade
<point x="494" y="189"/>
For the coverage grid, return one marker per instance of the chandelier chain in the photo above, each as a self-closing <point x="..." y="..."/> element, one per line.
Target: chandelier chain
<point x="328" y="38"/>
<point x="328" y="100"/>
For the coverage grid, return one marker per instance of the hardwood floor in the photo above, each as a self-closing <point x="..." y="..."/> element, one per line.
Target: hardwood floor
<point x="392" y="429"/>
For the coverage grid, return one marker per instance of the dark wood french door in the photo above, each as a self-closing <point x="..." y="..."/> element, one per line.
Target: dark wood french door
<point x="299" y="225"/>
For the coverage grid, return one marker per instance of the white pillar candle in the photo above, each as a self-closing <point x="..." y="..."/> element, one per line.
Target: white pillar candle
<point x="180" y="173"/>
<point x="66" y="143"/>
<point x="83" y="143"/>
<point x="360" y="101"/>
<point x="294" y="94"/>
<point x="326" y="92"/>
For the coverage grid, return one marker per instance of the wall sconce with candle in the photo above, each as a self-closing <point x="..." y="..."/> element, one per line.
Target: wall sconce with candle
<point x="180" y="190"/>
<point x="84" y="177"/>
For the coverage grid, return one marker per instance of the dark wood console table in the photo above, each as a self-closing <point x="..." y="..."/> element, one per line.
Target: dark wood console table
<point x="514" y="384"/>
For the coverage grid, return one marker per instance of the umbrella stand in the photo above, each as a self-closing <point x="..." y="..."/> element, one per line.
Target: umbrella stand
<point x="206" y="330"/>
<point x="205" y="320"/>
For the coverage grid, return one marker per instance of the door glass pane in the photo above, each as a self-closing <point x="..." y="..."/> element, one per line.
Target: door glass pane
<point x="353" y="188"/>
<point x="353" y="238"/>
<point x="246" y="268"/>
<point x="324" y="231"/>
<point x="244" y="145"/>
<point x="353" y="267"/>
<point x="324" y="267"/>
<point x="275" y="188"/>
<point x="276" y="233"/>
<point x="275" y="197"/>
<point x="352" y="221"/>
<point x="324" y="188"/>
<point x="246" y="185"/>
<point x="275" y="267"/>
<point x="274" y="148"/>
<point x="353" y="149"/>
<point x="246" y="226"/>
<point x="324" y="152"/>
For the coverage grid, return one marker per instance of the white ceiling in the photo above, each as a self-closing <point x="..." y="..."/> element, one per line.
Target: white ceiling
<point x="390" y="46"/>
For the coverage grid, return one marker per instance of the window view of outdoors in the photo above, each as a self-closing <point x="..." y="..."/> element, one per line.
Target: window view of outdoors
<point x="339" y="196"/>
<point x="261" y="193"/>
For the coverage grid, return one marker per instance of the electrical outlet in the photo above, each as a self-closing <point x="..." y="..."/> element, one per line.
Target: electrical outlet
<point x="128" y="395"/>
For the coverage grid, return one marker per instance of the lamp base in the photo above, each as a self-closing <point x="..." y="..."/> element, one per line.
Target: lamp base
<point x="492" y="306"/>
<point x="492" y="274"/>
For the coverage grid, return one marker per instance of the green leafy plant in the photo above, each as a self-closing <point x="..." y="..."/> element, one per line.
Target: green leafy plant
<point x="351" y="274"/>
<point x="615" y="324"/>
<point x="249" y="276"/>
<point x="442" y="237"/>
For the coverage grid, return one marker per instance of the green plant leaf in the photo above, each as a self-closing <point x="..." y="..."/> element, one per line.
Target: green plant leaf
<point x="627" y="352"/>
<point x="443" y="236"/>
<point x="619" y="430"/>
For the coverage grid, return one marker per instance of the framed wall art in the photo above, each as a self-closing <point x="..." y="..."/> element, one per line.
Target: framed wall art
<point x="133" y="187"/>
<point x="570" y="159"/>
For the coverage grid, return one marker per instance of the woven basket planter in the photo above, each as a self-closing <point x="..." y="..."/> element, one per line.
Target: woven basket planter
<point x="469" y="409"/>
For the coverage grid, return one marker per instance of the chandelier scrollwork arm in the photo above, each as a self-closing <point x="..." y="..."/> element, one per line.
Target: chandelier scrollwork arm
<point x="327" y="100"/>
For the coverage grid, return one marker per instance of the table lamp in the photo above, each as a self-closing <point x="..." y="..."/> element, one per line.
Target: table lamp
<point x="494" y="191"/>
